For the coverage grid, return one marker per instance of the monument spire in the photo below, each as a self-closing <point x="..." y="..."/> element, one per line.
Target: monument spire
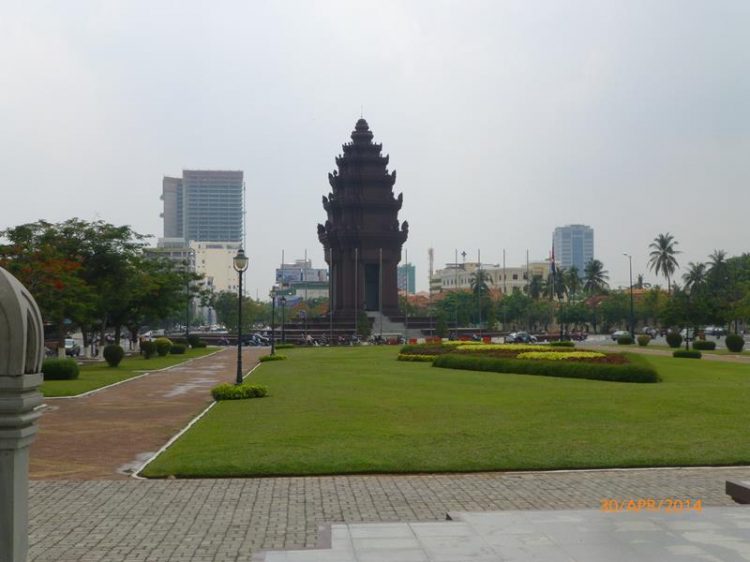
<point x="362" y="220"/>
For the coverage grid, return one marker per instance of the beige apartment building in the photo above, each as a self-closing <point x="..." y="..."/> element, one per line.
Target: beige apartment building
<point x="459" y="275"/>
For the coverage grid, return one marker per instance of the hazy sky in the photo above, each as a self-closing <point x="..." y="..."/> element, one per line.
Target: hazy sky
<point x="503" y="119"/>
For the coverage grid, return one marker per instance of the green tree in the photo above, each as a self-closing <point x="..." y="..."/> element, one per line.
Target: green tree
<point x="363" y="325"/>
<point x="572" y="279"/>
<point x="663" y="257"/>
<point x="595" y="277"/>
<point x="441" y="325"/>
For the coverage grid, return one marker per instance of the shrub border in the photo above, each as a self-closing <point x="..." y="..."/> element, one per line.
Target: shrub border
<point x="638" y="371"/>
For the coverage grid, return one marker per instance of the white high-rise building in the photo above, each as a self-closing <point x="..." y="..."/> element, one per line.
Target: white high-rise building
<point x="574" y="245"/>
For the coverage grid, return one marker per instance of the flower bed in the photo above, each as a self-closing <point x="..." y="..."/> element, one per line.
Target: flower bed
<point x="414" y="357"/>
<point x="560" y="355"/>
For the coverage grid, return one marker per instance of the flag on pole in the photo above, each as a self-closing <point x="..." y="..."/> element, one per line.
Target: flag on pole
<point x="552" y="261"/>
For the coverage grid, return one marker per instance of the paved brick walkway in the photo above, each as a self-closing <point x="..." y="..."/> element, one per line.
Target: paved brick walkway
<point x="227" y="520"/>
<point x="111" y="432"/>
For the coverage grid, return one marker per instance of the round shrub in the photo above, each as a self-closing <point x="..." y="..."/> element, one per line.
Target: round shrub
<point x="625" y="340"/>
<point x="178" y="349"/>
<point x="562" y="344"/>
<point x="243" y="391"/>
<point x="674" y="339"/>
<point x="277" y="357"/>
<point x="163" y="345"/>
<point x="193" y="340"/>
<point x="704" y="345"/>
<point x="735" y="343"/>
<point x="200" y="344"/>
<point x="644" y="340"/>
<point x="60" y="369"/>
<point x="687" y="354"/>
<point x="113" y="354"/>
<point x="148" y="349"/>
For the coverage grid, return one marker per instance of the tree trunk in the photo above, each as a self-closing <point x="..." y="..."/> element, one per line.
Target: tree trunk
<point x="86" y="342"/>
<point x="103" y="332"/>
<point x="61" y="338"/>
<point x="118" y="332"/>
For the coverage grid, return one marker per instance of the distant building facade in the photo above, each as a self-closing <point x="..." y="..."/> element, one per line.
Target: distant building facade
<point x="301" y="280"/>
<point x="574" y="246"/>
<point x="407" y="278"/>
<point x="213" y="260"/>
<point x="204" y="206"/>
<point x="458" y="276"/>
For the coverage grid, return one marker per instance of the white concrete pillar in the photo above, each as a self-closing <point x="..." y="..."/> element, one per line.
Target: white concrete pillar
<point x="21" y="355"/>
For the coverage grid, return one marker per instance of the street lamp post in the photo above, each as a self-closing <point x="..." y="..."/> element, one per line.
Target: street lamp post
<point x="187" y="299"/>
<point x="282" y="302"/>
<point x="240" y="263"/>
<point x="632" y="321"/>
<point x="273" y="321"/>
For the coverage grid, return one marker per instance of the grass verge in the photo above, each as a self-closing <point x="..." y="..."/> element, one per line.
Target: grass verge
<point x="357" y="410"/>
<point x="98" y="375"/>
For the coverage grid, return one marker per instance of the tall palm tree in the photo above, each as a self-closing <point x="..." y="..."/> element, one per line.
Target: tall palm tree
<point x="663" y="258"/>
<point x="640" y="282"/>
<point x="718" y="268"/>
<point x="595" y="277"/>
<point x="572" y="280"/>
<point x="478" y="282"/>
<point x="695" y="276"/>
<point x="535" y="287"/>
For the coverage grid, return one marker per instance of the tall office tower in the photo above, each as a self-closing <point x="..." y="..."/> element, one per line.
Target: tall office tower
<point x="574" y="245"/>
<point x="407" y="278"/>
<point x="204" y="206"/>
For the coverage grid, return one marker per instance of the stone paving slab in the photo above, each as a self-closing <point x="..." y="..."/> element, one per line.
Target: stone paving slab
<point x="110" y="433"/>
<point x="230" y="520"/>
<point x="714" y="533"/>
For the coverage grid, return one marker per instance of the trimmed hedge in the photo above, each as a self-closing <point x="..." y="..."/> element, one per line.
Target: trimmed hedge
<point x="644" y="340"/>
<point x="178" y="349"/>
<point x="285" y="346"/>
<point x="674" y="339"/>
<point x="687" y="354"/>
<point x="182" y="341"/>
<point x="227" y="391"/>
<point x="625" y="340"/>
<point x="113" y="354"/>
<point x="163" y="345"/>
<point x="60" y="369"/>
<point x="704" y="345"/>
<point x="148" y="349"/>
<point x="200" y="344"/>
<point x="638" y="370"/>
<point x="193" y="340"/>
<point x="735" y="343"/>
<point x="277" y="357"/>
<point x="562" y="344"/>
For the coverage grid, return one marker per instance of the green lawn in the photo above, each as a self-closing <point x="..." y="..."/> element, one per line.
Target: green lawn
<point x="722" y="351"/>
<point x="97" y="375"/>
<point x="357" y="410"/>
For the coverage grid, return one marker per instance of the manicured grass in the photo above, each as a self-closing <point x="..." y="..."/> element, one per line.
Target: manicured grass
<point x="97" y="375"/>
<point x="358" y="410"/>
<point x="722" y="351"/>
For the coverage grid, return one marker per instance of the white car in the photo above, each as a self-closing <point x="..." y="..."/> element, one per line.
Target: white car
<point x="619" y="333"/>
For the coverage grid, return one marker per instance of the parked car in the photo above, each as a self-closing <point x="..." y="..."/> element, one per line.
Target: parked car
<point x="72" y="349"/>
<point x="520" y="337"/>
<point x="648" y="331"/>
<point x="689" y="334"/>
<point x="715" y="331"/>
<point x="619" y="333"/>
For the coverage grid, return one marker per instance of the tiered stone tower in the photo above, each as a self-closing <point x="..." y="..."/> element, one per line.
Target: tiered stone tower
<point x="363" y="231"/>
